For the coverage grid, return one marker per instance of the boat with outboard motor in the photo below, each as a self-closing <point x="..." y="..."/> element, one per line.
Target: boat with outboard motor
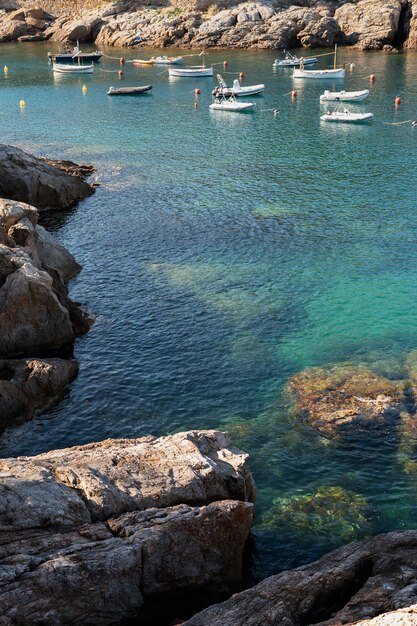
<point x="345" y="115"/>
<point x="344" y="96"/>
<point x="291" y="60"/>
<point x="237" y="89"/>
<point x="221" y="103"/>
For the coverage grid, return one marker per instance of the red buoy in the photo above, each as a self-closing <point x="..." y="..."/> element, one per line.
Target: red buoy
<point x="397" y="101"/>
<point x="372" y="78"/>
<point x="225" y="64"/>
<point x="294" y="93"/>
<point x="122" y="60"/>
<point x="197" y="91"/>
<point x="241" y="76"/>
<point x="121" y="73"/>
<point x="195" y="105"/>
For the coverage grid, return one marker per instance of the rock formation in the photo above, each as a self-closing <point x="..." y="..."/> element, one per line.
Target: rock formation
<point x="351" y="585"/>
<point x="368" y="24"/>
<point x="122" y="529"/>
<point x="29" y="179"/>
<point x="28" y="386"/>
<point x="345" y="398"/>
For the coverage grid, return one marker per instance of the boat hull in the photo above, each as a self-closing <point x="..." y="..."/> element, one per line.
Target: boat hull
<point x="344" y="96"/>
<point x="92" y="57"/>
<point x="318" y="74"/>
<point x="190" y="72"/>
<point x="294" y="62"/>
<point x="72" y="69"/>
<point x="253" y="90"/>
<point x="352" y="118"/>
<point x="235" y="107"/>
<point x="142" y="62"/>
<point x="128" y="91"/>
<point x="167" y="60"/>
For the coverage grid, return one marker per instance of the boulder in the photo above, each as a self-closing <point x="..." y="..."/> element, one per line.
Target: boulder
<point x="122" y="529"/>
<point x="350" y="586"/>
<point x="28" y="386"/>
<point x="344" y="399"/>
<point x="320" y="33"/>
<point x="29" y="179"/>
<point x="369" y="23"/>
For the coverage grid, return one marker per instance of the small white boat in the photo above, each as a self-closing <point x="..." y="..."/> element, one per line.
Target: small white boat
<point x="346" y="116"/>
<point x="128" y="91"/>
<point x="293" y="61"/>
<point x="230" y="104"/>
<point x="66" y="68"/>
<point x="344" y="96"/>
<point x="335" y="73"/>
<point x="190" y="72"/>
<point x="164" y="60"/>
<point x="236" y="90"/>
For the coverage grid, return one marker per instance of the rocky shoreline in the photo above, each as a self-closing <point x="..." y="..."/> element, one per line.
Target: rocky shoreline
<point x="37" y="317"/>
<point x="264" y="24"/>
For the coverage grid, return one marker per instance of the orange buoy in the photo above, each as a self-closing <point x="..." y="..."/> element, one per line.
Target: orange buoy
<point x="225" y="64"/>
<point x="294" y="93"/>
<point x="121" y="73"/>
<point x="122" y="61"/>
<point x="195" y="104"/>
<point x="372" y="78"/>
<point x="241" y="76"/>
<point x="197" y="91"/>
<point x="397" y="101"/>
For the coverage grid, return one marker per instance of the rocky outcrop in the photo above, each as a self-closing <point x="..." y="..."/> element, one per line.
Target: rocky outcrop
<point x="369" y="24"/>
<point x="25" y="24"/>
<point x="351" y="585"/>
<point x="28" y="386"/>
<point x="122" y="529"/>
<point x="29" y="179"/>
<point x="344" y="399"/>
<point x="36" y="314"/>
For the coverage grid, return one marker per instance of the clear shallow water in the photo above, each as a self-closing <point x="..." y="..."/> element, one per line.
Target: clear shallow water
<point x="223" y="253"/>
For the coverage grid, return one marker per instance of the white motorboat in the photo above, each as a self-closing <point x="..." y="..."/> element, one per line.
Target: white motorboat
<point x="66" y="68"/>
<point x="164" y="60"/>
<point x="335" y="73"/>
<point x="344" y="96"/>
<point x="191" y="72"/>
<point x="291" y="60"/>
<point x="346" y="116"/>
<point x="230" y="104"/>
<point x="237" y="89"/>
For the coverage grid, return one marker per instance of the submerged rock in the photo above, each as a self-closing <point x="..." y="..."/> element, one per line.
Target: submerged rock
<point x="333" y="513"/>
<point x="351" y="585"/>
<point x="343" y="398"/>
<point x="122" y="528"/>
<point x="30" y="179"/>
<point x="28" y="386"/>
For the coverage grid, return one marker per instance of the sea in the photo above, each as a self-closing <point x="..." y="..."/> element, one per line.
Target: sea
<point x="224" y="253"/>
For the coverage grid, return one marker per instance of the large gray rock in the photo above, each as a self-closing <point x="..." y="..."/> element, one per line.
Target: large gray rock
<point x="29" y="179"/>
<point x="28" y="386"/>
<point x="91" y="534"/>
<point x="348" y="586"/>
<point x="369" y="23"/>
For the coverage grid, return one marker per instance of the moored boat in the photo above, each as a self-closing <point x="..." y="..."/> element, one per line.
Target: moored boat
<point x="69" y="57"/>
<point x="230" y="104"/>
<point x="164" y="60"/>
<point x="237" y="89"/>
<point x="291" y="60"/>
<point x="334" y="73"/>
<point x="190" y="72"/>
<point x="346" y="116"/>
<point x="65" y="68"/>
<point x="142" y="62"/>
<point x="344" y="96"/>
<point x="128" y="91"/>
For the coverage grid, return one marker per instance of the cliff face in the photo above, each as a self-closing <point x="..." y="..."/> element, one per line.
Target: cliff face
<point x="265" y="24"/>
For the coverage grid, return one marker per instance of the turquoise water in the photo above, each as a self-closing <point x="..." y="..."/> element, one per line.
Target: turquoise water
<point x="223" y="253"/>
